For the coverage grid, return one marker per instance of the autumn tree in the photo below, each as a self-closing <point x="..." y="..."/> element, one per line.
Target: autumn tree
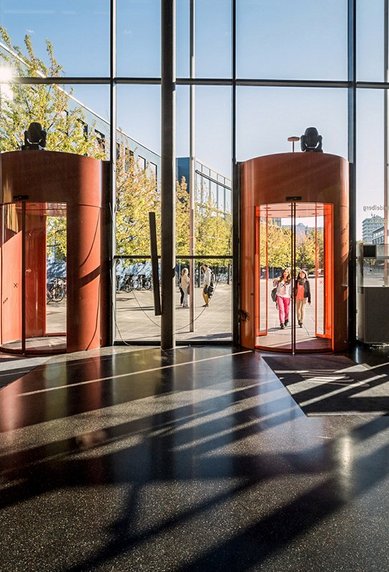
<point x="278" y="244"/>
<point x="213" y="228"/>
<point x="182" y="218"/>
<point x="50" y="105"/>
<point x="63" y="118"/>
<point x="307" y="247"/>
<point x="213" y="231"/>
<point x="136" y="196"/>
<point x="276" y="240"/>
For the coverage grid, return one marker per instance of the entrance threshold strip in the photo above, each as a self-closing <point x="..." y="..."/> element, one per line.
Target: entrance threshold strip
<point x="112" y="377"/>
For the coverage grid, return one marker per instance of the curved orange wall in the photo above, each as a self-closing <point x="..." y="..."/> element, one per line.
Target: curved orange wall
<point x="315" y="177"/>
<point x="81" y="183"/>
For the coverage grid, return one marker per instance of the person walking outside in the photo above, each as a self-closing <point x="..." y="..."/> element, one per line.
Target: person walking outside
<point x="184" y="287"/>
<point x="283" y="284"/>
<point x="207" y="283"/>
<point x="302" y="293"/>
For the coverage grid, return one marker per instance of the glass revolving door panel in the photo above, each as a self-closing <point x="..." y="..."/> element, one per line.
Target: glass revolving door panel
<point x="294" y="240"/>
<point x="11" y="243"/>
<point x="33" y="277"/>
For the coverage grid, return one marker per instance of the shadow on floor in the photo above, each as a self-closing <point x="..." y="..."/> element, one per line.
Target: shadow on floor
<point x="196" y="460"/>
<point x="333" y="384"/>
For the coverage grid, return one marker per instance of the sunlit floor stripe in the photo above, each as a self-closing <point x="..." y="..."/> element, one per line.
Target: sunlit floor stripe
<point x="129" y="374"/>
<point x="289" y="371"/>
<point x="367" y="366"/>
<point x="333" y="380"/>
<point x="345" y="388"/>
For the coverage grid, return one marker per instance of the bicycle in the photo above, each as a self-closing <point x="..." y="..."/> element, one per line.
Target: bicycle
<point x="56" y="290"/>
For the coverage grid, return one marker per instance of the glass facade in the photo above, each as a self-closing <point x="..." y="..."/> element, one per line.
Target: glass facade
<point x="261" y="72"/>
<point x="79" y="33"/>
<point x="278" y="39"/>
<point x="267" y="116"/>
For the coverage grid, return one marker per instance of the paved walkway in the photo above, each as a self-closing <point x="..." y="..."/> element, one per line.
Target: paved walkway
<point x="135" y="319"/>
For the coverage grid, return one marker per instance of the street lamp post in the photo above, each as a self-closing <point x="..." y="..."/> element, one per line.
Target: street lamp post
<point x="293" y="139"/>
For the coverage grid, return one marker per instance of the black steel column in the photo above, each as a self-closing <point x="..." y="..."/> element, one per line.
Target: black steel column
<point x="352" y="171"/>
<point x="192" y="174"/>
<point x="235" y="199"/>
<point x="110" y="218"/>
<point x="386" y="146"/>
<point x="293" y="276"/>
<point x="168" y="172"/>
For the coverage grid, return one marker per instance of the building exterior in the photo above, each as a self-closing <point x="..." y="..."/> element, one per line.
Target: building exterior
<point x="210" y="185"/>
<point x="369" y="226"/>
<point x="378" y="235"/>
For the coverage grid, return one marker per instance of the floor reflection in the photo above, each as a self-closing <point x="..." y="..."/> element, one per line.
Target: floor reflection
<point x="200" y="455"/>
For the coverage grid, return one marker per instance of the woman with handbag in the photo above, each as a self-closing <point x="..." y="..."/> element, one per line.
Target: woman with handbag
<point x="283" y="284"/>
<point x="207" y="284"/>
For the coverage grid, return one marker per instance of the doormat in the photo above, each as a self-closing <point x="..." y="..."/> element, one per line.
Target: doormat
<point x="333" y="385"/>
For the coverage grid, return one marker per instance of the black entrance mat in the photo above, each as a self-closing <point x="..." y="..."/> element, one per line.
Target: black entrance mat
<point x="333" y="385"/>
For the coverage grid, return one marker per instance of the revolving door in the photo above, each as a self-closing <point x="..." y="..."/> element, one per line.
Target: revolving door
<point x="54" y="252"/>
<point x="294" y="216"/>
<point x="33" y="277"/>
<point x="296" y="237"/>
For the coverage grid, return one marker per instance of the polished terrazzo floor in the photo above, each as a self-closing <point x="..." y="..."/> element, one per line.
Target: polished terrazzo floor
<point x="192" y="460"/>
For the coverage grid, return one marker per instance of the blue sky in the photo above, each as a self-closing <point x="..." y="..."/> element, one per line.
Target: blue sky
<point x="276" y="39"/>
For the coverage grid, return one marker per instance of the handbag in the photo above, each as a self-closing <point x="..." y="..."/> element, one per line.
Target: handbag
<point x="274" y="294"/>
